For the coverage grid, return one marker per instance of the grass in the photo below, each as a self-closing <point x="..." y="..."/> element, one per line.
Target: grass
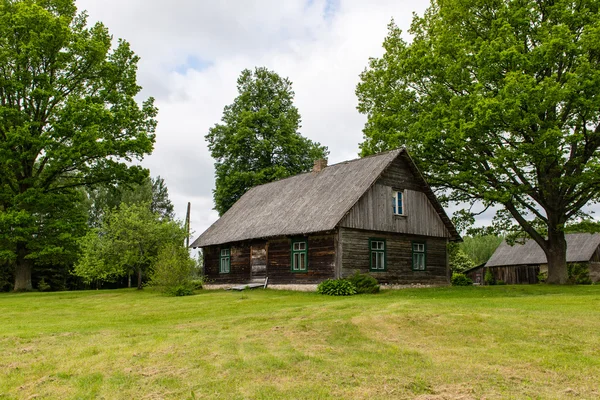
<point x="521" y="342"/>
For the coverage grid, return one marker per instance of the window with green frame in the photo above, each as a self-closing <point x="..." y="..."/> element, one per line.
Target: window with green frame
<point x="225" y="261"/>
<point x="299" y="255"/>
<point x="419" y="256"/>
<point x="377" y="249"/>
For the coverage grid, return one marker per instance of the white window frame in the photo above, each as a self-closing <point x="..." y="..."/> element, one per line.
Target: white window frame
<point x="395" y="195"/>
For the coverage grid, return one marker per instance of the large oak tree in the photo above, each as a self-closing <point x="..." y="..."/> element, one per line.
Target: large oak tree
<point x="500" y="102"/>
<point x="68" y="118"/>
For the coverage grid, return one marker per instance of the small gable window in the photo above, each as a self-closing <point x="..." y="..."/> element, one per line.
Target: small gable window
<point x="299" y="255"/>
<point x="419" y="258"/>
<point x="398" y="203"/>
<point x="378" y="254"/>
<point x="225" y="265"/>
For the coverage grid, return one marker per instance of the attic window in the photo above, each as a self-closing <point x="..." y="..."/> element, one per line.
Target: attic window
<point x="299" y="255"/>
<point x="225" y="264"/>
<point x="398" y="202"/>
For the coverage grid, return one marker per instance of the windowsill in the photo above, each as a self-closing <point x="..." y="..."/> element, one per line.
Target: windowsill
<point x="400" y="215"/>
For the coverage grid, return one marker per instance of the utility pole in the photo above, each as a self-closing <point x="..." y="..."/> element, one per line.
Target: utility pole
<point x="187" y="225"/>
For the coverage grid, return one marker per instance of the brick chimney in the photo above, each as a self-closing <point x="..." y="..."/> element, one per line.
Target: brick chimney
<point x="320" y="165"/>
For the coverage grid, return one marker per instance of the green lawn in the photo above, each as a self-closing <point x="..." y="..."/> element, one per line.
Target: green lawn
<point x="470" y="343"/>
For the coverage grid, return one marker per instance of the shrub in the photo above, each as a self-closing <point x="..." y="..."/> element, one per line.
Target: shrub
<point x="173" y="270"/>
<point x="542" y="277"/>
<point x="43" y="286"/>
<point x="579" y="274"/>
<point x="181" y="290"/>
<point x="364" y="283"/>
<point x="460" y="280"/>
<point x="336" y="287"/>
<point x="489" y="278"/>
<point x="500" y="282"/>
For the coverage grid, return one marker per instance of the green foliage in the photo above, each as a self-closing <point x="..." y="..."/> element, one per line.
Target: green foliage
<point x="129" y="240"/>
<point x="105" y="198"/>
<point x="579" y="274"/>
<point x="68" y="118"/>
<point x="459" y="279"/>
<point x="336" y="287"/>
<point x="459" y="261"/>
<point x="542" y="277"/>
<point x="583" y="226"/>
<point x="6" y="276"/>
<point x="489" y="278"/>
<point x="43" y="286"/>
<point x="501" y="111"/>
<point x="173" y="271"/>
<point x="258" y="140"/>
<point x="364" y="283"/>
<point x="480" y="248"/>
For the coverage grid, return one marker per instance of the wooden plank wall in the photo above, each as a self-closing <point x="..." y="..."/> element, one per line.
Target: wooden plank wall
<point x="512" y="275"/>
<point x="374" y="212"/>
<point x="240" y="264"/>
<point x="356" y="253"/>
<point x="276" y="253"/>
<point x="321" y="260"/>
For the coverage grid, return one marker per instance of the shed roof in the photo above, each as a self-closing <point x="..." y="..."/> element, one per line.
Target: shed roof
<point x="304" y="203"/>
<point x="580" y="248"/>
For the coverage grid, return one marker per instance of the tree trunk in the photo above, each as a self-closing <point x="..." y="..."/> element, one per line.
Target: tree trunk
<point x="22" y="269"/>
<point x="557" y="257"/>
<point x="129" y="280"/>
<point x="139" y="279"/>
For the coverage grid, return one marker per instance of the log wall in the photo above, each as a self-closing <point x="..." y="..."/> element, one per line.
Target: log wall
<point x="276" y="255"/>
<point x="356" y="253"/>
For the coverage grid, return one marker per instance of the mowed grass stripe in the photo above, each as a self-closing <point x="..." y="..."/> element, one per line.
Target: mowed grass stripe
<point x="493" y="342"/>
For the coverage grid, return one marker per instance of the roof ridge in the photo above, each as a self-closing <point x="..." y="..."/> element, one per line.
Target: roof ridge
<point x="399" y="149"/>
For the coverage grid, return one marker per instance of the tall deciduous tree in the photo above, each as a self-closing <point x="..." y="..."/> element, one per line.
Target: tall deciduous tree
<point x="68" y="118"/>
<point x="500" y="102"/>
<point x="128" y="239"/>
<point x="258" y="140"/>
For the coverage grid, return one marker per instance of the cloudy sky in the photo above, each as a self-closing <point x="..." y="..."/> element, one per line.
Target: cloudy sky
<point x="193" y="51"/>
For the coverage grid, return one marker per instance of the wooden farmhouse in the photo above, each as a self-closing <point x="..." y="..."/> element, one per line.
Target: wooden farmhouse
<point x="521" y="263"/>
<point x="375" y="215"/>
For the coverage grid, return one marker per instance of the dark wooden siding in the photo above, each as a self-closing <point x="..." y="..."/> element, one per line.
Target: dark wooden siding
<point x="240" y="263"/>
<point x="321" y="260"/>
<point x="356" y="253"/>
<point x="516" y="274"/>
<point x="374" y="212"/>
<point x="276" y="253"/>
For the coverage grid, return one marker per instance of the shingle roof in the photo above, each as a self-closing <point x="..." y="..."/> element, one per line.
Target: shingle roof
<point x="301" y="204"/>
<point x="580" y="248"/>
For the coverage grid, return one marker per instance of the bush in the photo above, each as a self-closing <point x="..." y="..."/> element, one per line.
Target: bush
<point x="173" y="270"/>
<point x="460" y="280"/>
<point x="364" y="283"/>
<point x="336" y="287"/>
<point x="43" y="286"/>
<point x="181" y="290"/>
<point x="542" y="277"/>
<point x="500" y="282"/>
<point x="489" y="277"/>
<point x="579" y="274"/>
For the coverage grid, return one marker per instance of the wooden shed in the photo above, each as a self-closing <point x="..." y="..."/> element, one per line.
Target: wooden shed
<point x="375" y="215"/>
<point x="522" y="262"/>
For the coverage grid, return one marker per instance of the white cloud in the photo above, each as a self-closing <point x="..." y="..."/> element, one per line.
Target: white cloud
<point x="192" y="53"/>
